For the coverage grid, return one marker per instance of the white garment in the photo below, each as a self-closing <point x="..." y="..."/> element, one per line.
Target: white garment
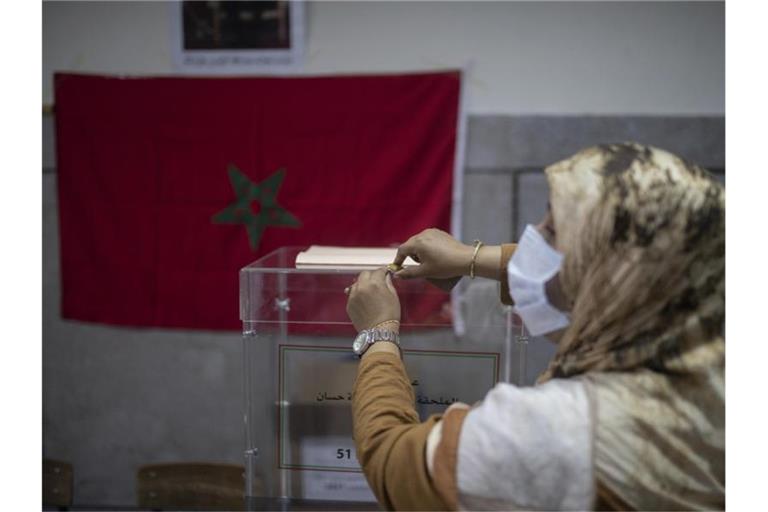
<point x="526" y="449"/>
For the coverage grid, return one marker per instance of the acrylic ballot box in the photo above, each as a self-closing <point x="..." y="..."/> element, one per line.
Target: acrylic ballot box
<point x="299" y="369"/>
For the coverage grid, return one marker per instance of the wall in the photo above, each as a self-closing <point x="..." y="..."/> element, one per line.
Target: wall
<point x="115" y="398"/>
<point x="537" y="57"/>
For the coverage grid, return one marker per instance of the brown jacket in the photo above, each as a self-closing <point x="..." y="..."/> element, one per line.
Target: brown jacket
<point x="391" y="441"/>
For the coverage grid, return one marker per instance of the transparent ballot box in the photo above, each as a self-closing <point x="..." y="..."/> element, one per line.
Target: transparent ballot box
<point x="299" y="369"/>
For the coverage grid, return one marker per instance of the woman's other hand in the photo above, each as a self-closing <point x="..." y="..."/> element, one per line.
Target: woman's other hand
<point x="440" y="256"/>
<point x="372" y="299"/>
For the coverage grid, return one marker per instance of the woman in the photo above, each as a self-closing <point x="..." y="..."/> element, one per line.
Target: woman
<point x="627" y="273"/>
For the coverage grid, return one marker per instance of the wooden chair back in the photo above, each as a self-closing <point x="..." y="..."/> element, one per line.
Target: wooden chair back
<point x="191" y="486"/>
<point x="57" y="483"/>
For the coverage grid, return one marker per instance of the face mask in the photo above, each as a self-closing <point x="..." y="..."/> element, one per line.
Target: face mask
<point x="533" y="264"/>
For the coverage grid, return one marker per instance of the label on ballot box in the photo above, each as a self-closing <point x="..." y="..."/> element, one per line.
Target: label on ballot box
<point x="327" y="452"/>
<point x="315" y="388"/>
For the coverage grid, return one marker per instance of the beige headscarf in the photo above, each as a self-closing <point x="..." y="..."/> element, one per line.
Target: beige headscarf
<point x="643" y="234"/>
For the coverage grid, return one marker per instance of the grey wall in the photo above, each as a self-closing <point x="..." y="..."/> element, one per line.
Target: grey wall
<point x="116" y="398"/>
<point x="657" y="58"/>
<point x="504" y="186"/>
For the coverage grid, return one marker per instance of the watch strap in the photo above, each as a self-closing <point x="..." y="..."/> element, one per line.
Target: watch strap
<point x="377" y="334"/>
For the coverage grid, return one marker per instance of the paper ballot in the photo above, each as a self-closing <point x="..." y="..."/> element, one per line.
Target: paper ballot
<point x="348" y="258"/>
<point x="359" y="258"/>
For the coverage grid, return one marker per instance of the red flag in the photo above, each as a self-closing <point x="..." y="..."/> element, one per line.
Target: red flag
<point x="168" y="186"/>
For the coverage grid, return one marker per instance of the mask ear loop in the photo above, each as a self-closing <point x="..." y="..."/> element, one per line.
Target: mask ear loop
<point x="522" y="345"/>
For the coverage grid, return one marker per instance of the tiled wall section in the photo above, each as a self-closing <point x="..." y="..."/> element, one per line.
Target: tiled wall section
<point x="116" y="398"/>
<point x="503" y="190"/>
<point x="533" y="141"/>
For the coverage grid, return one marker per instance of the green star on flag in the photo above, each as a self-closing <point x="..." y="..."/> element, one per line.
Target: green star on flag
<point x="270" y="213"/>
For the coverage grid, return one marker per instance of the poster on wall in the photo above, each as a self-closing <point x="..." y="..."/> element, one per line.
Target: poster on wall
<point x="237" y="37"/>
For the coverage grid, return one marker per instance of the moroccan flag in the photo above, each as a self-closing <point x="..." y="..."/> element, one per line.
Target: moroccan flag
<point x="168" y="186"/>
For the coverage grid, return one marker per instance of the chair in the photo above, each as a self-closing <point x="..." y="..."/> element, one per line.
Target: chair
<point x="191" y="486"/>
<point x="57" y="484"/>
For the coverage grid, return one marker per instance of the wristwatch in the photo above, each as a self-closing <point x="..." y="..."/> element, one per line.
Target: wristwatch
<point x="368" y="337"/>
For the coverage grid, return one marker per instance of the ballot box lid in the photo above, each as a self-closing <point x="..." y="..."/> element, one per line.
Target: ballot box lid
<point x="273" y="290"/>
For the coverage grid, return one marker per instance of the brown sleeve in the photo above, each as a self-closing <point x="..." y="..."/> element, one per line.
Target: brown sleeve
<point x="507" y="250"/>
<point x="447" y="456"/>
<point x="389" y="438"/>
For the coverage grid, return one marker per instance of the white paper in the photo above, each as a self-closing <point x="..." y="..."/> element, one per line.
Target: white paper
<point x="348" y="258"/>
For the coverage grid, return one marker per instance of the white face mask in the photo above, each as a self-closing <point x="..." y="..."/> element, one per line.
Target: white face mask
<point x="533" y="264"/>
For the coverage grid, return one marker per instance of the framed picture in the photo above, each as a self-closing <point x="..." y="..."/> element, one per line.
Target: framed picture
<point x="237" y="37"/>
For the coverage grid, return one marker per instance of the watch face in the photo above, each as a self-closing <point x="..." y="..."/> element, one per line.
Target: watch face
<point x="359" y="344"/>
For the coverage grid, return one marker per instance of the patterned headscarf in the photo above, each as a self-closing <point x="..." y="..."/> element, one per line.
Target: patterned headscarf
<point x="643" y="234"/>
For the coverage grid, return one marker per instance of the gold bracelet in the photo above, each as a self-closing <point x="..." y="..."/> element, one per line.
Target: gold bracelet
<point x="478" y="245"/>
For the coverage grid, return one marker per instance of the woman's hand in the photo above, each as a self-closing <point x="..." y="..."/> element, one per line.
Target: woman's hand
<point x="372" y="299"/>
<point x="440" y="256"/>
